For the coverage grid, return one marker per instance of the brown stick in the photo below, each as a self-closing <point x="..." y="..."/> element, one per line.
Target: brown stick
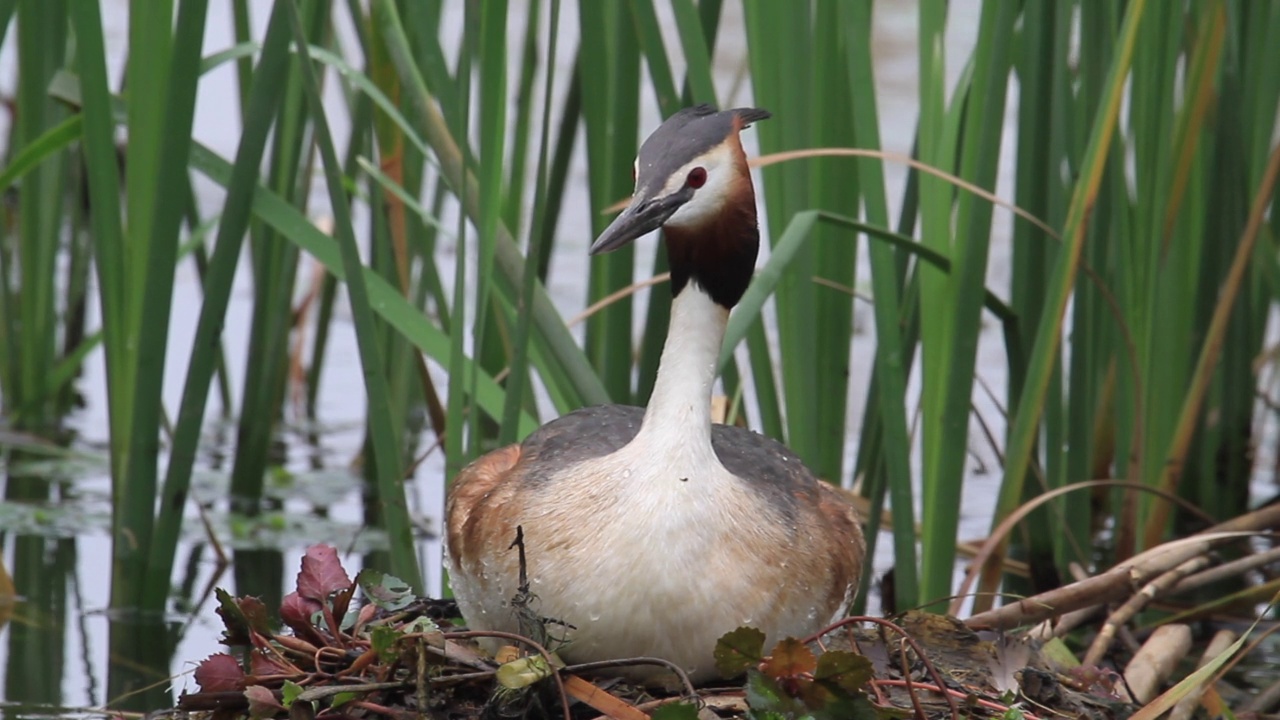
<point x="1224" y="571"/>
<point x="1155" y="661"/>
<point x="1120" y="581"/>
<point x="601" y="700"/>
<point x="1186" y="707"/>
<point x="1136" y="602"/>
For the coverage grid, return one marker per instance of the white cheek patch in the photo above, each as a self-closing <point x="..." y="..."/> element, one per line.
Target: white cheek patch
<point x="710" y="198"/>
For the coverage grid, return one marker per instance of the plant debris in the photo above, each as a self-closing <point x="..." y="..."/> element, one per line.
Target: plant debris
<point x="388" y="653"/>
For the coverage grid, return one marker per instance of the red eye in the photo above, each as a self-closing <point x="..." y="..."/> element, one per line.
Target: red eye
<point x="697" y="177"/>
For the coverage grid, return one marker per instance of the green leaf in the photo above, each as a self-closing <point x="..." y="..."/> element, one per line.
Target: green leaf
<point x="342" y="699"/>
<point x="1057" y="651"/>
<point x="738" y="650"/>
<point x="421" y="624"/>
<point x="290" y="692"/>
<point x="386" y="300"/>
<point x="68" y="367"/>
<point x="855" y="707"/>
<point x="386" y="591"/>
<point x="850" y="671"/>
<point x="764" y="694"/>
<point x="382" y="437"/>
<point x="1197" y="679"/>
<point x="523" y="672"/>
<point x="235" y="52"/>
<point x="383" y="639"/>
<point x="50" y="142"/>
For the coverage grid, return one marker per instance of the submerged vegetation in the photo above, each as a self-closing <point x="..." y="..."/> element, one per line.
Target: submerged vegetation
<point x="1107" y="343"/>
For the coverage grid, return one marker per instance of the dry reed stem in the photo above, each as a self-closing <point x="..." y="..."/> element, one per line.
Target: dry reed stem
<point x="1156" y="660"/>
<point x="1118" y="582"/>
<point x="1231" y="569"/>
<point x="1137" y="602"/>
<point x="1006" y="526"/>
<point x="1186" y="707"/>
<point x="602" y="700"/>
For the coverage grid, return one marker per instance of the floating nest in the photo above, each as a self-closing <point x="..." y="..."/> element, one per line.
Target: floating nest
<point x="399" y="656"/>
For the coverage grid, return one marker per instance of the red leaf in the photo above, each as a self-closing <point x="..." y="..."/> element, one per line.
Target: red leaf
<point x="220" y="673"/>
<point x="263" y="664"/>
<point x="262" y="702"/>
<point x="255" y="612"/>
<point x="342" y="600"/>
<point x="296" y="612"/>
<point x="790" y="658"/>
<point x="233" y="620"/>
<point x="321" y="573"/>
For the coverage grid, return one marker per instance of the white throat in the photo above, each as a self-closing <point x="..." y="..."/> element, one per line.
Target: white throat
<point x="678" y="418"/>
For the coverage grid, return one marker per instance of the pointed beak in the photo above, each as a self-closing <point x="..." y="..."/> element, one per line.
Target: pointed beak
<point x="641" y="217"/>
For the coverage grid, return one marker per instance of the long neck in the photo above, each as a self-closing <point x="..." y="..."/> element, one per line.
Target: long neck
<point x="711" y="266"/>
<point x="680" y="407"/>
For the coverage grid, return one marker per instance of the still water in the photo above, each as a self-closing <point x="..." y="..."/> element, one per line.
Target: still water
<point x="55" y="652"/>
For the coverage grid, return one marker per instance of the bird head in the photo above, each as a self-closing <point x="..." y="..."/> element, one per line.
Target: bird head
<point x="690" y="172"/>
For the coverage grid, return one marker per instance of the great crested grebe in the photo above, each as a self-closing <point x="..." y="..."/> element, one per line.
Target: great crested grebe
<point x="651" y="531"/>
